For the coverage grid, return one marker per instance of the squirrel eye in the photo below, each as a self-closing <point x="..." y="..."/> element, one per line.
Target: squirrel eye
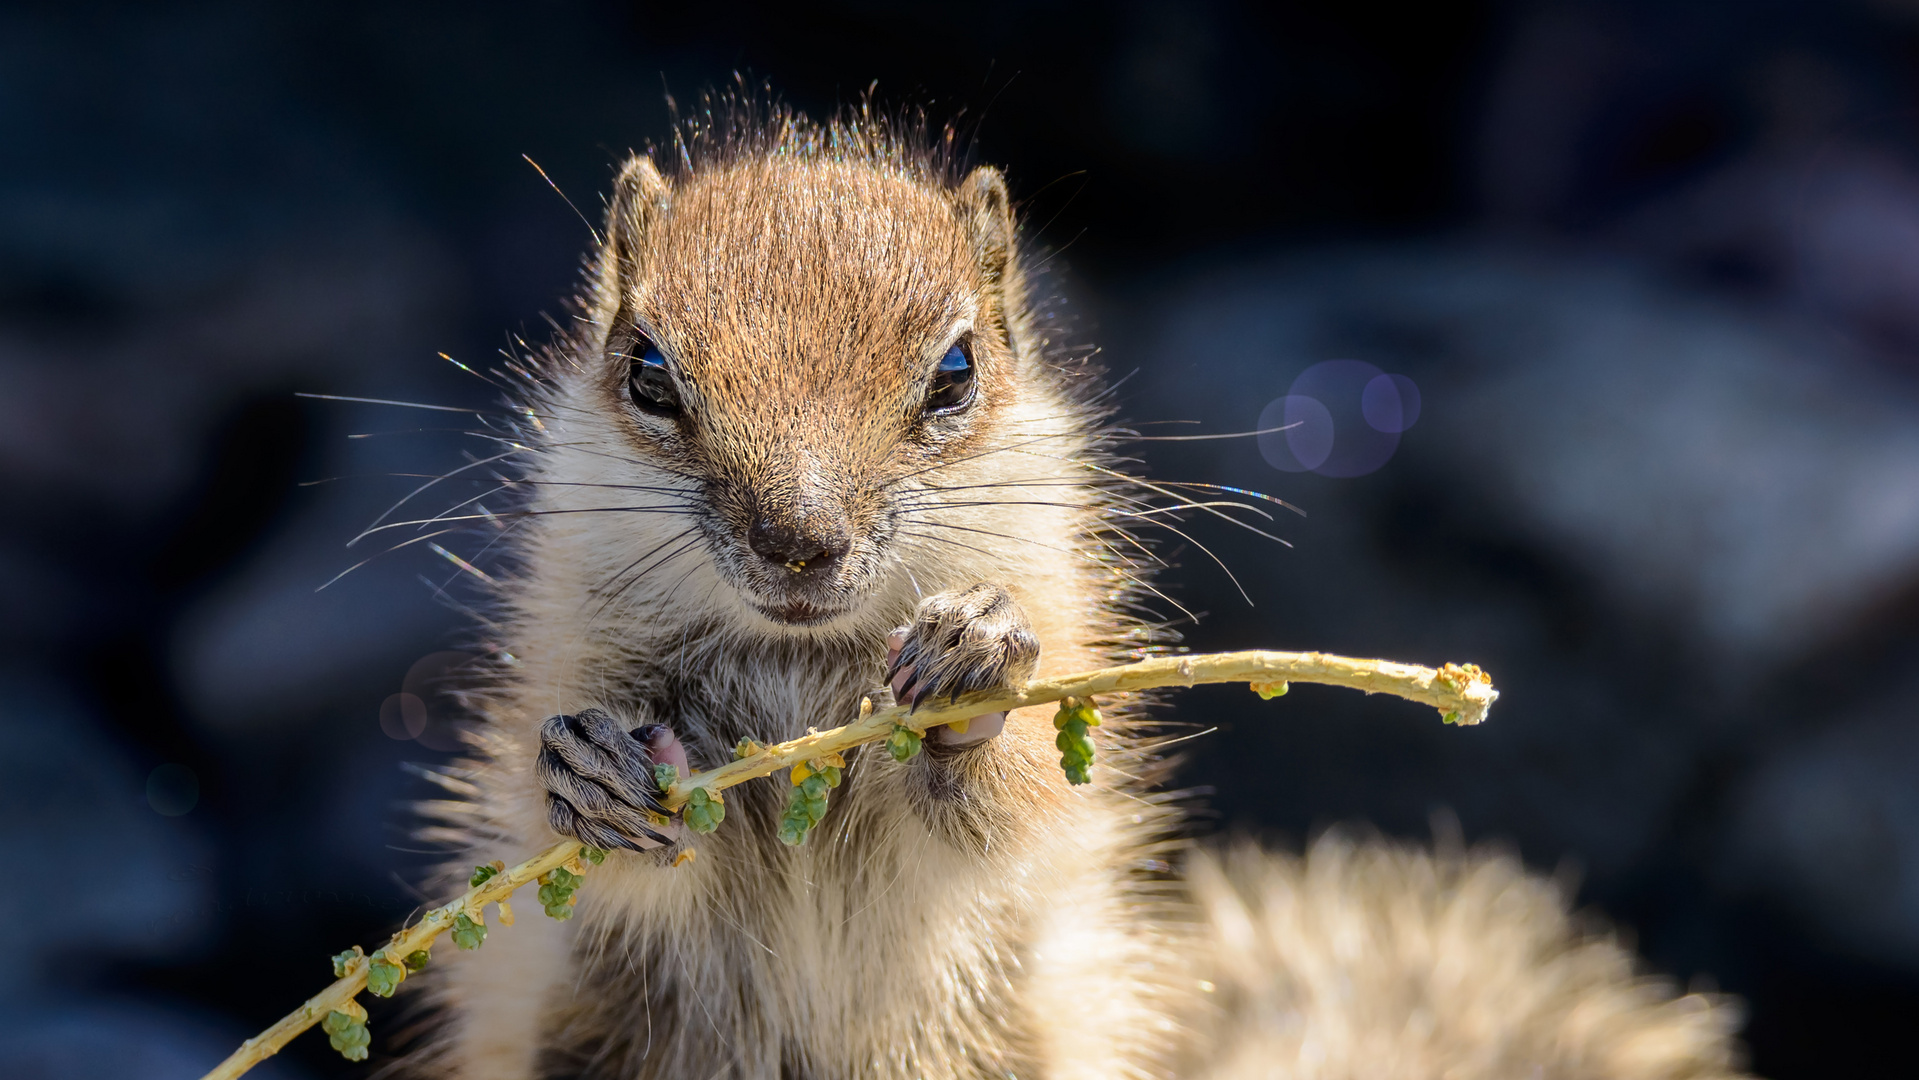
<point x="952" y="389"/>
<point x="651" y="384"/>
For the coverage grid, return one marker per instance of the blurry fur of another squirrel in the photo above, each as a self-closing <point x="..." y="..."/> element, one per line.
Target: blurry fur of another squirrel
<point x="807" y="438"/>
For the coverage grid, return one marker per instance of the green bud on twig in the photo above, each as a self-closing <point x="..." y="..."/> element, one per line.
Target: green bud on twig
<point x="347" y="1033"/>
<point x="343" y="960"/>
<point x="903" y="743"/>
<point x="593" y="855"/>
<point x="807" y="805"/>
<point x="704" y="811"/>
<point x="468" y="934"/>
<point x="417" y="960"/>
<point x="1080" y="709"/>
<point x="1074" y="718"/>
<point x="664" y="776"/>
<point x="383" y="976"/>
<point x="482" y="874"/>
<point x="556" y="891"/>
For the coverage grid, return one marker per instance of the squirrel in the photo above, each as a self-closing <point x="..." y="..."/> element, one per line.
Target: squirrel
<point x="808" y="444"/>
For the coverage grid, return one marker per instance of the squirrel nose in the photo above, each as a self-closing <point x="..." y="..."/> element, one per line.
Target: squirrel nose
<point x="806" y="549"/>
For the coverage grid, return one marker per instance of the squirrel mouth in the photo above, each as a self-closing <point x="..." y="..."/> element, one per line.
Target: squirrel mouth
<point x="798" y="613"/>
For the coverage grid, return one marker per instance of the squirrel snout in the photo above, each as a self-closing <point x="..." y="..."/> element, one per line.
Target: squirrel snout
<point x="809" y="548"/>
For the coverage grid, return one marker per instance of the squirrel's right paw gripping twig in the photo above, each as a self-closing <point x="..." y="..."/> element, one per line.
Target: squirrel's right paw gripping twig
<point x="1461" y="692"/>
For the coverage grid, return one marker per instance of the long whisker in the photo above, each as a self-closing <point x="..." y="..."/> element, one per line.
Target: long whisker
<point x="653" y="488"/>
<point x="447" y="514"/>
<point x="497" y="538"/>
<point x="1248" y="492"/>
<point x="1135" y="437"/>
<point x="1021" y="446"/>
<point x="463" y="564"/>
<point x="1123" y="477"/>
<point x="582" y="447"/>
<point x="1129" y="577"/>
<point x="513" y="481"/>
<point x="387" y="401"/>
<point x="410" y="431"/>
<point x="655" y="551"/>
<point x="636" y="578"/>
<point x="985" y="453"/>
<point x="680" y="511"/>
<point x="1215" y="507"/>
<point x="1000" y="535"/>
<point x="388" y="551"/>
<point x="928" y="505"/>
<point x="1182" y="506"/>
<point x="949" y="540"/>
<point x="590" y="230"/>
<point x="416" y="491"/>
<point x="1134" y="579"/>
<point x="1033" y="481"/>
<point x="1169" y="527"/>
<point x="1159" y="489"/>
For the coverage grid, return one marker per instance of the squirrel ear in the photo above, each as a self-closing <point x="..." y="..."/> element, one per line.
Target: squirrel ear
<point x="639" y="198"/>
<point x="986" y="212"/>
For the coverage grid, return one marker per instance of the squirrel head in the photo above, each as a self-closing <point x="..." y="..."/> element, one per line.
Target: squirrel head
<point x="793" y="349"/>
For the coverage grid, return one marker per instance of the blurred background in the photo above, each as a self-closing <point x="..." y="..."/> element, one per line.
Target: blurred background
<point x="1599" y="323"/>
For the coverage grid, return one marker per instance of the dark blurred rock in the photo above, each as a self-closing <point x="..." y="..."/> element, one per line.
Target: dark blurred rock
<point x="1705" y="462"/>
<point x="114" y="879"/>
<point x="1828" y="827"/>
<point x="1675" y="527"/>
<point x="61" y="1040"/>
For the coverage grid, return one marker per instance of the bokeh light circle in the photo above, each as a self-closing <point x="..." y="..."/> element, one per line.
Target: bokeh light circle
<point x="1353" y="446"/>
<point x="1307" y="439"/>
<point x="1390" y="403"/>
<point x="403" y="716"/>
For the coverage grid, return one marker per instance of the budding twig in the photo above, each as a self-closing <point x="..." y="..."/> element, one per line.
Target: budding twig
<point x="1461" y="693"/>
<point x="416" y="938"/>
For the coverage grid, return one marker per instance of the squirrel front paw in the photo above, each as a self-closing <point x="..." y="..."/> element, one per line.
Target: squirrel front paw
<point x="600" y="787"/>
<point x="960" y="642"/>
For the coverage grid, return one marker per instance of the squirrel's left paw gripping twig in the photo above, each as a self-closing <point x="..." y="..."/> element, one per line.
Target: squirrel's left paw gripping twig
<point x="1461" y="692"/>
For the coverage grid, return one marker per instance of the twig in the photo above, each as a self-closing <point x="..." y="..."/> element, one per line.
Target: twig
<point x="416" y="938"/>
<point x="1461" y="693"/>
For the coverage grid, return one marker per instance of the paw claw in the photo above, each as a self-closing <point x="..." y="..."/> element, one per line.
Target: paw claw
<point x="567" y="821"/>
<point x="599" y="779"/>
<point x="961" y="642"/>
